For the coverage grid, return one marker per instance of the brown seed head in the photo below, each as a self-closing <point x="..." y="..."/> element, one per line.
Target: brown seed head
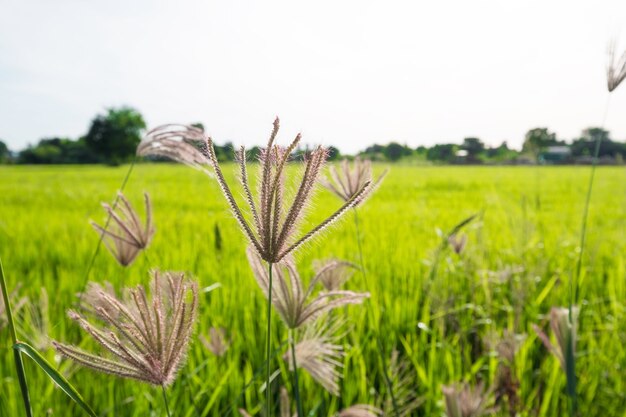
<point x="146" y="337"/>
<point x="275" y="219"/>
<point x="346" y="182"/>
<point x="295" y="305"/>
<point x="615" y="71"/>
<point x="181" y="143"/>
<point x="320" y="354"/>
<point x="126" y="236"/>
<point x="464" y="401"/>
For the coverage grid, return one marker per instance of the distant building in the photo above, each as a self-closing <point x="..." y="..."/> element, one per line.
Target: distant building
<point x="555" y="155"/>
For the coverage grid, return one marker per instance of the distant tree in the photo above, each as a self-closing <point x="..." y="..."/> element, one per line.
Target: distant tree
<point x="395" y="151"/>
<point x="5" y="154"/>
<point x="333" y="153"/>
<point x="585" y="145"/>
<point x="442" y="152"/>
<point x="538" y="139"/>
<point x="473" y="147"/>
<point x="115" y="135"/>
<point x="58" y="151"/>
<point x="198" y="125"/>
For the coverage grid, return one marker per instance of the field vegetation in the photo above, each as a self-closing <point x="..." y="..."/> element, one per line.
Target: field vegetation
<point x="440" y="311"/>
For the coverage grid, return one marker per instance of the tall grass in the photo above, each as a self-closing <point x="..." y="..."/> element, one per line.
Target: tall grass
<point x="471" y="297"/>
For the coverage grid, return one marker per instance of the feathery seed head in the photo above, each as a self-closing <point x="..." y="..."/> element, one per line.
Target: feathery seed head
<point x="615" y="71"/>
<point x="181" y="143"/>
<point x="464" y="401"/>
<point x="217" y="343"/>
<point x="457" y="242"/>
<point x="320" y="354"/>
<point x="16" y="305"/>
<point x="295" y="305"/>
<point x="403" y="387"/>
<point x="275" y="221"/>
<point x="333" y="273"/>
<point x="346" y="182"/>
<point x="361" y="410"/>
<point x="146" y="337"/>
<point x="564" y="332"/>
<point x="126" y="236"/>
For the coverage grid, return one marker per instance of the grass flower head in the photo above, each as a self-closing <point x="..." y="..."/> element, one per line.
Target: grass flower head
<point x="146" y="337"/>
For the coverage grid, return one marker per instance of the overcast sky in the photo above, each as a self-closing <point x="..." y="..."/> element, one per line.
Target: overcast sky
<point x="346" y="73"/>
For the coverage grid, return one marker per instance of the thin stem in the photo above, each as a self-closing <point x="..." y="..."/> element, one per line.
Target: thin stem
<point x="296" y="387"/>
<point x="394" y="403"/>
<point x="17" y="356"/>
<point x="358" y="241"/>
<point x="167" y="406"/>
<point x="106" y="225"/>
<point x="268" y="347"/>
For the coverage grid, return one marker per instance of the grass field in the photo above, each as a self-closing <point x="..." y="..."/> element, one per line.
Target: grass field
<point x="521" y="252"/>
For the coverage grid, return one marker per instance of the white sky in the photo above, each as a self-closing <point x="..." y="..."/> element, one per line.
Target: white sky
<point x="346" y="73"/>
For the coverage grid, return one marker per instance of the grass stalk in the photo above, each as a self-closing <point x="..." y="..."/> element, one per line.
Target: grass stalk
<point x="359" y="244"/>
<point x="268" y="398"/>
<point x="167" y="406"/>
<point x="296" y="387"/>
<point x="19" y="365"/>
<point x="106" y="225"/>
<point x="380" y="347"/>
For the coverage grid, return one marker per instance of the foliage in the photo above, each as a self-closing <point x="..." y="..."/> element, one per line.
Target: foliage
<point x="114" y="136"/>
<point x="514" y="268"/>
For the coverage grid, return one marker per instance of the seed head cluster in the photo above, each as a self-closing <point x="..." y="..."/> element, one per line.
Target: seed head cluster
<point x="146" y="337"/>
<point x="126" y="236"/>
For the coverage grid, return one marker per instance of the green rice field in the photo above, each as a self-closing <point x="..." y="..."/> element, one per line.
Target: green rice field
<point x="441" y="312"/>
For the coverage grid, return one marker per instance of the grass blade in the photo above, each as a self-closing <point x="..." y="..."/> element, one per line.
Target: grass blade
<point x="54" y="375"/>
<point x="19" y="365"/>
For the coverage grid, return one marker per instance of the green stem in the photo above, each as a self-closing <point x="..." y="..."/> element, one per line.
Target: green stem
<point x="364" y="272"/>
<point x="167" y="406"/>
<point x="358" y="241"/>
<point x="268" y="398"/>
<point x="394" y="403"/>
<point x="17" y="356"/>
<point x="296" y="388"/>
<point x="106" y="225"/>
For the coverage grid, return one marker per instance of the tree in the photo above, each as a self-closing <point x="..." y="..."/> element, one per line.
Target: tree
<point x="538" y="139"/>
<point x="58" y="151"/>
<point x="333" y="153"/>
<point x="473" y="147"/>
<point x="115" y="135"/>
<point x="395" y="151"/>
<point x="586" y="144"/>
<point x="443" y="152"/>
<point x="5" y="154"/>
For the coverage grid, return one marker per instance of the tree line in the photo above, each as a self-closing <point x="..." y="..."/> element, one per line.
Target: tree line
<point x="113" y="136"/>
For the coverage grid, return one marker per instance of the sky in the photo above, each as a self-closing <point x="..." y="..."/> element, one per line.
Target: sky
<point x="344" y="73"/>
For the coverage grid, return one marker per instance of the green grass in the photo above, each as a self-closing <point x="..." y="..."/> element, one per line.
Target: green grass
<point x="529" y="221"/>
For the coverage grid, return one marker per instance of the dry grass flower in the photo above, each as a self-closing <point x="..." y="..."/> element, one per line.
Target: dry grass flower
<point x="347" y="182"/>
<point x="275" y="221"/>
<point x="360" y="410"/>
<point x="333" y="273"/>
<point x="126" y="236"/>
<point x="615" y="71"/>
<point x="402" y="401"/>
<point x="457" y="242"/>
<point x="564" y="332"/>
<point x="217" y="343"/>
<point x="181" y="143"/>
<point x="295" y="305"/>
<point x="147" y="337"/>
<point x="465" y="401"/>
<point x="319" y="353"/>
<point x="35" y="321"/>
<point x="17" y="303"/>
